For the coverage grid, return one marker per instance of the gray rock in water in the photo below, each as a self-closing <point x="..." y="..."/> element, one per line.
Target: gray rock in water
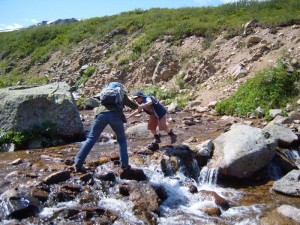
<point x="242" y="151"/>
<point x="25" y="108"/>
<point x="289" y="184"/>
<point x="137" y="131"/>
<point x="290" y="212"/>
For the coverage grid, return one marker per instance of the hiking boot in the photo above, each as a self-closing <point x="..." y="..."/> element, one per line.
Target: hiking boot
<point x="80" y="169"/>
<point x="157" y="138"/>
<point x="127" y="167"/>
<point x="173" y="137"/>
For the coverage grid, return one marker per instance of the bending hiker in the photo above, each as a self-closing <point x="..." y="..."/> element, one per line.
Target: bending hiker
<point x="157" y="115"/>
<point x="113" y="98"/>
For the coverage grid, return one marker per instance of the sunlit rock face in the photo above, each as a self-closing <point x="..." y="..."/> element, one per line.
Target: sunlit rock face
<point x="49" y="106"/>
<point x="242" y="151"/>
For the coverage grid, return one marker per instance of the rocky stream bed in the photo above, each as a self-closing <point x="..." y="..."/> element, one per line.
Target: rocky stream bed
<point x="40" y="186"/>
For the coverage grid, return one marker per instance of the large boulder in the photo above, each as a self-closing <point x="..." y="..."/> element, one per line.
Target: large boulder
<point x="28" y="107"/>
<point x="242" y="151"/>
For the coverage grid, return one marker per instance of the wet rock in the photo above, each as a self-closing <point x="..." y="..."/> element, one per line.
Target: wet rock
<point x="221" y="202"/>
<point x="12" y="175"/>
<point x="16" y="162"/>
<point x="19" y="206"/>
<point x="203" y="152"/>
<point x="73" y="187"/>
<point x="143" y="196"/>
<point x="98" y="162"/>
<point x="205" y="148"/>
<point x="153" y="146"/>
<point x="284" y="163"/>
<point x="242" y="151"/>
<point x="285" y="214"/>
<point x="106" y="176"/>
<point x="145" y="151"/>
<point x="185" y="161"/>
<point x="124" y="189"/>
<point x="212" y="211"/>
<point x="68" y="213"/>
<point x="39" y="194"/>
<point x="290" y="212"/>
<point x="31" y="175"/>
<point x="57" y="177"/>
<point x="114" y="156"/>
<point x="193" y="189"/>
<point x="87" y="178"/>
<point x="133" y="174"/>
<point x="161" y="192"/>
<point x="289" y="184"/>
<point x="67" y="193"/>
<point x="169" y="165"/>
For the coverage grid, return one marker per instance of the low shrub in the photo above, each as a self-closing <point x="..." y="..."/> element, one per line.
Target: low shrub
<point x="270" y="88"/>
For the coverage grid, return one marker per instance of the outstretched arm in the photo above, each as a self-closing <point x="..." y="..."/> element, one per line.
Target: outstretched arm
<point x="131" y="104"/>
<point x="134" y="113"/>
<point x="147" y="103"/>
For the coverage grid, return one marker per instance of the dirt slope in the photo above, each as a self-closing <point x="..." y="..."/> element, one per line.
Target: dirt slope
<point x="209" y="72"/>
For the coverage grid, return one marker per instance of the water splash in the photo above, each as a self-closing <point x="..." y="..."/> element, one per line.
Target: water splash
<point x="208" y="176"/>
<point x="292" y="154"/>
<point x="181" y="206"/>
<point x="274" y="171"/>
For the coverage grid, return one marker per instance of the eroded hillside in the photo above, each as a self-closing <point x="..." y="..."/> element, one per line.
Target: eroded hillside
<point x="207" y="72"/>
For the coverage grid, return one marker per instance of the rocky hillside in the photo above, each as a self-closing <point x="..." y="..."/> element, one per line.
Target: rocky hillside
<point x="208" y="72"/>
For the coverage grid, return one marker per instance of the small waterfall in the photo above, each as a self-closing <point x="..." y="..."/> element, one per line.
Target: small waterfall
<point x="208" y="176"/>
<point x="274" y="171"/>
<point x="292" y="154"/>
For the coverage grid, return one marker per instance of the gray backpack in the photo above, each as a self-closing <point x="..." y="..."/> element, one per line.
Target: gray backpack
<point x="112" y="94"/>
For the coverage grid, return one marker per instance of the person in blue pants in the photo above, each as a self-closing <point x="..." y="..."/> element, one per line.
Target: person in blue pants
<point x="112" y="115"/>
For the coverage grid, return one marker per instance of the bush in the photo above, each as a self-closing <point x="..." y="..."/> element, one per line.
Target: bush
<point x="86" y="74"/>
<point x="271" y="88"/>
<point x="161" y="94"/>
<point x="47" y="130"/>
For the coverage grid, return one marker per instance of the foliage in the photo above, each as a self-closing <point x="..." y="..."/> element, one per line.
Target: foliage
<point x="22" y="138"/>
<point x="180" y="82"/>
<point x="182" y="100"/>
<point x="159" y="93"/>
<point x="270" y="88"/>
<point x="139" y="28"/>
<point x="168" y="96"/>
<point x="149" y="25"/>
<point x="86" y="74"/>
<point x="25" y="79"/>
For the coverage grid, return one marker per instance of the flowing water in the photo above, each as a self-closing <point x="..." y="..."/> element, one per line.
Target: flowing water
<point x="181" y="207"/>
<point x="248" y="202"/>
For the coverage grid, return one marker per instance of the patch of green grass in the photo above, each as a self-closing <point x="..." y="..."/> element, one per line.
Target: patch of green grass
<point x="86" y="74"/>
<point x="182" y="100"/>
<point x="270" y="88"/>
<point x="141" y="28"/>
<point x="22" y="138"/>
<point x="15" y="77"/>
<point x="168" y="96"/>
<point x="159" y="93"/>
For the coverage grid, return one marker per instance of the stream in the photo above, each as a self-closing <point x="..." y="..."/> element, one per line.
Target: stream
<point x="249" y="202"/>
